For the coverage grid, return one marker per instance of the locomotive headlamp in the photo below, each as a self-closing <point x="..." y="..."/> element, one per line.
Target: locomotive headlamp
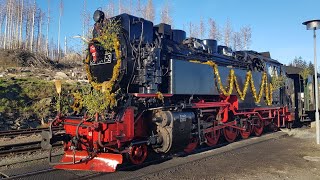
<point x="98" y="16"/>
<point x="314" y="25"/>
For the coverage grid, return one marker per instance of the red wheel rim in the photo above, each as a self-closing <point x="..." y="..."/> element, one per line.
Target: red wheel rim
<point x="138" y="154"/>
<point x="246" y="133"/>
<point x="192" y="145"/>
<point x="212" y="138"/>
<point x="230" y="134"/>
<point x="258" y="126"/>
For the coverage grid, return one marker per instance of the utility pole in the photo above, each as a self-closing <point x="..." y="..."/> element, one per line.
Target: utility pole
<point x="314" y="25"/>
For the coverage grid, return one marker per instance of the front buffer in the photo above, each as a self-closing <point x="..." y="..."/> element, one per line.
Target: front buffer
<point x="90" y="144"/>
<point x="102" y="162"/>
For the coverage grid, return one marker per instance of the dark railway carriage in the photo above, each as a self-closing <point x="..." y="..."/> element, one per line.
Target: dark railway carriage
<point x="168" y="93"/>
<point x="301" y="93"/>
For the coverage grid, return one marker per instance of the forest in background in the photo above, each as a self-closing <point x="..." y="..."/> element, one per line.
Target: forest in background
<point x="24" y="25"/>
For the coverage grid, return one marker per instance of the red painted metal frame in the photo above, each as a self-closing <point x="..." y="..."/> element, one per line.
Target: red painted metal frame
<point x="97" y="136"/>
<point x="230" y="103"/>
<point x="113" y="135"/>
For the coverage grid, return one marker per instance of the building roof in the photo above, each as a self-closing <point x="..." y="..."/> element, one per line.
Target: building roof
<point x="292" y="69"/>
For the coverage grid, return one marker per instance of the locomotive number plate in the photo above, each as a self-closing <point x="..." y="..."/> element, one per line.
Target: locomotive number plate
<point x="108" y="57"/>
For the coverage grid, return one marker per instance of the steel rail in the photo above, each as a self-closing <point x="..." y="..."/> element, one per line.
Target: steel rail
<point x="22" y="147"/>
<point x="29" y="173"/>
<point x="14" y="133"/>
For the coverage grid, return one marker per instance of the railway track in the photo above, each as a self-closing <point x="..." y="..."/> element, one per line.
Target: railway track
<point x="15" y="133"/>
<point x="123" y="168"/>
<point x="23" y="147"/>
<point x="126" y="166"/>
<point x="4" y="176"/>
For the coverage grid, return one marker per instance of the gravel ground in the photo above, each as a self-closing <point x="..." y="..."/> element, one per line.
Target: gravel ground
<point x="20" y="139"/>
<point x="283" y="155"/>
<point x="294" y="157"/>
<point x="17" y="159"/>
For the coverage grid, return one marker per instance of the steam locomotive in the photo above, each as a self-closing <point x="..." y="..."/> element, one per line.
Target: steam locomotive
<point x="167" y="93"/>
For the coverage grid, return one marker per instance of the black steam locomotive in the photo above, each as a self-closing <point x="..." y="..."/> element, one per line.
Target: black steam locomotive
<point x="169" y="93"/>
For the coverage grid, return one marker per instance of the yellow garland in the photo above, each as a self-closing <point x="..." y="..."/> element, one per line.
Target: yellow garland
<point x="107" y="86"/>
<point x="160" y="96"/>
<point x="78" y="102"/>
<point x="232" y="80"/>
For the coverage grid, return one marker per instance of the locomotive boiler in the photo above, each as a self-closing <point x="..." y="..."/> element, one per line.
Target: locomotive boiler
<point x="166" y="93"/>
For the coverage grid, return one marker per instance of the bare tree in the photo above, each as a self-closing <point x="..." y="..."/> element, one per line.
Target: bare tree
<point x="110" y="9"/>
<point x="214" y="32"/>
<point x="28" y="18"/>
<point x="246" y="36"/>
<point x="10" y="34"/>
<point x="15" y="24"/>
<point x="184" y="27"/>
<point x="60" y="14"/>
<point x="83" y="15"/>
<point x="166" y="14"/>
<point x="125" y="9"/>
<point x="193" y="30"/>
<point x="65" y="45"/>
<point x="6" y="25"/>
<point x="138" y="9"/>
<point x="8" y="11"/>
<point x="149" y="11"/>
<point x="190" y="28"/>
<point x="120" y="7"/>
<point x="48" y="26"/>
<point x="130" y="7"/>
<point x="40" y="16"/>
<point x="53" y="49"/>
<point x="2" y="18"/>
<point x="32" y="26"/>
<point x="227" y="33"/>
<point x="202" y="29"/>
<point x="21" y="24"/>
<point x="236" y="40"/>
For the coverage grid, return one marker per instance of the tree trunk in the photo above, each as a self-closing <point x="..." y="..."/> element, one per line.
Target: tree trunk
<point x="21" y="24"/>
<point x="60" y="14"/>
<point x="32" y="26"/>
<point x="48" y="25"/>
<point x="65" y="45"/>
<point x="16" y="32"/>
<point x="6" y="27"/>
<point x="39" y="49"/>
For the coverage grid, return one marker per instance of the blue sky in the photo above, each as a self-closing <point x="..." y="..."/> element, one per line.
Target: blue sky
<point x="276" y="24"/>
